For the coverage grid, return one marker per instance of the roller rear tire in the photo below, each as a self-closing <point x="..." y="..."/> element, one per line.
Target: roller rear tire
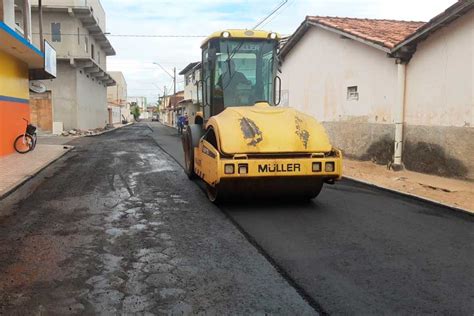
<point x="315" y="190"/>
<point x="190" y="140"/>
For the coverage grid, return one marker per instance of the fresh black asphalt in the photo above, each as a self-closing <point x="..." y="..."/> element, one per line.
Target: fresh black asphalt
<point x="360" y="250"/>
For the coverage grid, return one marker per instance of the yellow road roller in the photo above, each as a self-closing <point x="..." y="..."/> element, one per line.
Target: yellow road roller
<point x="243" y="143"/>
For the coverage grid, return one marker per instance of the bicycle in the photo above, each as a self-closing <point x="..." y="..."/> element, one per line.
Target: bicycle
<point x="26" y="142"/>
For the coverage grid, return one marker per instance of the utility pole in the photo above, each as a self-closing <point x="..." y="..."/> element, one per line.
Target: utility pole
<point x="165" y="119"/>
<point x="174" y="81"/>
<point x="40" y="20"/>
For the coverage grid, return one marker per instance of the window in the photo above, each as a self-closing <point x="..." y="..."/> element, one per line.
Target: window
<point x="98" y="57"/>
<point x="78" y="37"/>
<point x="352" y="93"/>
<point x="92" y="51"/>
<point x="56" y="32"/>
<point x="243" y="72"/>
<point x="86" y="42"/>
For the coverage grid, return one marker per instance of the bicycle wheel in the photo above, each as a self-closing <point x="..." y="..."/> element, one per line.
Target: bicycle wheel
<point x="23" y="144"/>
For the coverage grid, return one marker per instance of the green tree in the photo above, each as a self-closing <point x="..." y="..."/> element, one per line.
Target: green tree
<point x="135" y="110"/>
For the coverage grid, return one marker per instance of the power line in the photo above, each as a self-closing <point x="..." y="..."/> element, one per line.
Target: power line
<point x="132" y="35"/>
<point x="271" y="13"/>
<point x="276" y="15"/>
<point x="148" y="35"/>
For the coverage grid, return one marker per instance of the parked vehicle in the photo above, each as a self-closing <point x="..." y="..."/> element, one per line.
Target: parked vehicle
<point x="27" y="141"/>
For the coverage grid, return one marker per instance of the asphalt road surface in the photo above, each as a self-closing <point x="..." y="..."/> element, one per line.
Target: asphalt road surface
<point x="361" y="250"/>
<point x="116" y="228"/>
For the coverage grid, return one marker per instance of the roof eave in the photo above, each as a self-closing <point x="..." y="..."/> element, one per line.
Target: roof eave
<point x="301" y="30"/>
<point x="189" y="67"/>
<point x="458" y="9"/>
<point x="90" y="23"/>
<point x="351" y="36"/>
<point x="91" y="67"/>
<point x="294" y="39"/>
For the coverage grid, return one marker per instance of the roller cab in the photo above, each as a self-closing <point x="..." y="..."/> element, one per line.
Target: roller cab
<point x="247" y="145"/>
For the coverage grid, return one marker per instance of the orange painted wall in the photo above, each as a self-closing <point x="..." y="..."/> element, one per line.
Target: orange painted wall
<point x="11" y="124"/>
<point x="13" y="85"/>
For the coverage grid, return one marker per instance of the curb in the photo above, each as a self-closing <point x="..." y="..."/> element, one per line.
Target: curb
<point x="109" y="130"/>
<point x="67" y="148"/>
<point x="413" y="196"/>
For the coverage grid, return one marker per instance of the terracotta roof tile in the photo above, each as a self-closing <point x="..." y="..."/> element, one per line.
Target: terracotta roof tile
<point x="386" y="33"/>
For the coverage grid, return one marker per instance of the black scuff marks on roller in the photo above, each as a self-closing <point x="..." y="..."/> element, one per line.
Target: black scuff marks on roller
<point x="301" y="131"/>
<point x="251" y="131"/>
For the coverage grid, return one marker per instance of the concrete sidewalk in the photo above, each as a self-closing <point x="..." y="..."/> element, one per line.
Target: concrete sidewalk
<point x="16" y="168"/>
<point x="455" y="193"/>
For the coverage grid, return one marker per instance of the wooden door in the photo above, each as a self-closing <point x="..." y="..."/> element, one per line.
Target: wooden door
<point x="42" y="110"/>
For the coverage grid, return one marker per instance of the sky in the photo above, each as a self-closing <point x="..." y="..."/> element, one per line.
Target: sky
<point x="136" y="55"/>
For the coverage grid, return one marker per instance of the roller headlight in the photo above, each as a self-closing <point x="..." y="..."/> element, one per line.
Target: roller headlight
<point x="229" y="169"/>
<point x="316" y="167"/>
<point x="329" y="166"/>
<point x="243" y="169"/>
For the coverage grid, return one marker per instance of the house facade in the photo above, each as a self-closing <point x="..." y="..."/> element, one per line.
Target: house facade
<point x="141" y="102"/>
<point x="396" y="92"/>
<point x="76" y="29"/>
<point x="169" y="108"/>
<point x="20" y="62"/>
<point x="190" y="105"/>
<point x="119" y="108"/>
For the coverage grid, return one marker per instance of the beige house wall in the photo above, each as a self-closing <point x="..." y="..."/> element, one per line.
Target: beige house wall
<point x="439" y="100"/>
<point x="440" y="77"/>
<point x="117" y="93"/>
<point x="191" y="89"/>
<point x="315" y="76"/>
<point x="317" y="72"/>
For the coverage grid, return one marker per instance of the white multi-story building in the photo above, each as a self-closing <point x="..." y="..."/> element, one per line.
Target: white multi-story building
<point x="76" y="29"/>
<point x="141" y="102"/>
